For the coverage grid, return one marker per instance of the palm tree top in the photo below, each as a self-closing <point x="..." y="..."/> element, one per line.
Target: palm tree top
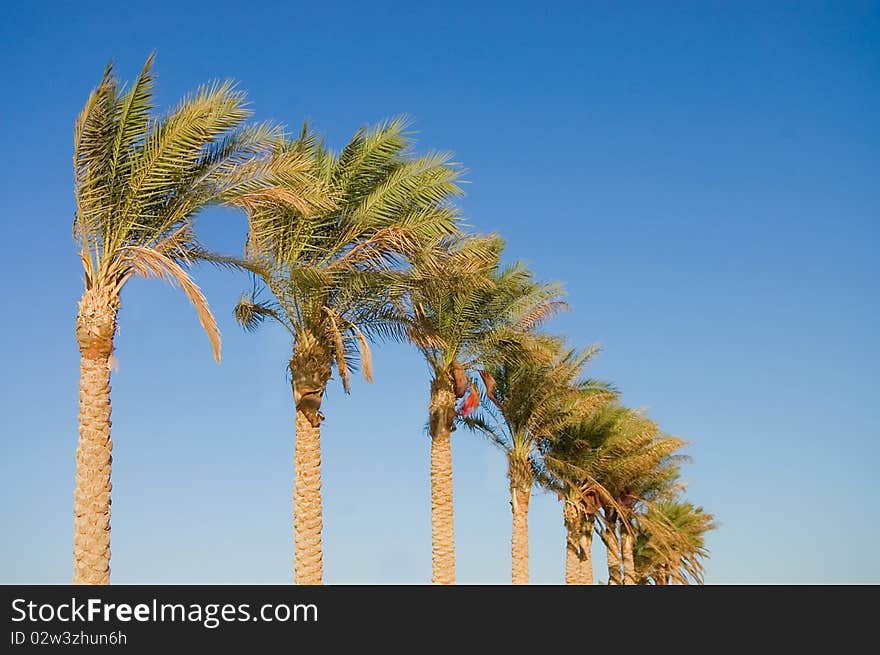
<point x="538" y="397"/>
<point x="332" y="270"/>
<point x="139" y="179"/>
<point x="463" y="308"/>
<point x="670" y="541"/>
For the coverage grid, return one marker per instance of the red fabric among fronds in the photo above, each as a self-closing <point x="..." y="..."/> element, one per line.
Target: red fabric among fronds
<point x="469" y="404"/>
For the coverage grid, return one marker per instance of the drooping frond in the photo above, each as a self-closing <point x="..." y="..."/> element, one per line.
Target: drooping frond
<point x="366" y="355"/>
<point x="338" y="348"/>
<point x="148" y="262"/>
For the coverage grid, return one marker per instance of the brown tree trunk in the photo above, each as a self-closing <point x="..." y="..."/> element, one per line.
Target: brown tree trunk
<point x="585" y="566"/>
<point x="612" y="548"/>
<point x="626" y="546"/>
<point x="308" y="521"/>
<point x="573" y="533"/>
<point x="95" y="329"/>
<point x="310" y="372"/>
<point x="520" y="495"/>
<point x="441" y="413"/>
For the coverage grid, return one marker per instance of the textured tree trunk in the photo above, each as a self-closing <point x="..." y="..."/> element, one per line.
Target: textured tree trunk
<point x="585" y="566"/>
<point x="310" y="372"/>
<point x="95" y="328"/>
<point x="626" y="546"/>
<point x="441" y="413"/>
<point x="572" y="560"/>
<point x="308" y="521"/>
<point x="573" y="534"/>
<point x="520" y="539"/>
<point x="520" y="495"/>
<point x="612" y="548"/>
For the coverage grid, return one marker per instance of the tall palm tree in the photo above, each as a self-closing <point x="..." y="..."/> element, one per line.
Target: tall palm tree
<point x="670" y="547"/>
<point x="463" y="311"/>
<point x="536" y="400"/>
<point x="138" y="182"/>
<point x="332" y="273"/>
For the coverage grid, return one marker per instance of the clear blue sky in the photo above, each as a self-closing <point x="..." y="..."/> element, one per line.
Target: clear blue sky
<point x="702" y="176"/>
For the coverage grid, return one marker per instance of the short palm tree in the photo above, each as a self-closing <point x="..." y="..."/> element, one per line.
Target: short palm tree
<point x="639" y="467"/>
<point x="536" y="400"/>
<point x="464" y="310"/>
<point x="670" y="546"/>
<point x="331" y="274"/>
<point x="138" y="181"/>
<point x="574" y="463"/>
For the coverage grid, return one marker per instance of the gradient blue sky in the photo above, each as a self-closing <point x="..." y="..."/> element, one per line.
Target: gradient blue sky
<point x="702" y="176"/>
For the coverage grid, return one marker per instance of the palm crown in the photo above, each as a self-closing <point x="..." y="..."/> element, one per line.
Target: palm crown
<point x="574" y="461"/>
<point x="466" y="309"/>
<point x="536" y="400"/>
<point x="139" y="181"/>
<point x="332" y="271"/>
<point x="670" y="545"/>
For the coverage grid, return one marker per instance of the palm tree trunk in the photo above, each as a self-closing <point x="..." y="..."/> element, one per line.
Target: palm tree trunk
<point x="572" y="560"/>
<point x="585" y="566"/>
<point x="573" y="533"/>
<point x="520" y="540"/>
<point x="520" y="495"/>
<point x="307" y="513"/>
<point x="309" y="373"/>
<point x="95" y="328"/>
<point x="441" y="413"/>
<point x="629" y="569"/>
<point x="612" y="548"/>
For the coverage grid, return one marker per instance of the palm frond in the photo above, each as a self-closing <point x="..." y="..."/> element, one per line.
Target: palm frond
<point x="250" y="314"/>
<point x="148" y="262"/>
<point x="366" y="356"/>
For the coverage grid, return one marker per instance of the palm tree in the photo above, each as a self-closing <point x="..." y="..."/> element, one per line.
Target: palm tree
<point x="639" y="467"/>
<point x="138" y="182"/>
<point x="573" y="467"/>
<point x="331" y="274"/>
<point x="463" y="311"/>
<point x="536" y="400"/>
<point x="670" y="545"/>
